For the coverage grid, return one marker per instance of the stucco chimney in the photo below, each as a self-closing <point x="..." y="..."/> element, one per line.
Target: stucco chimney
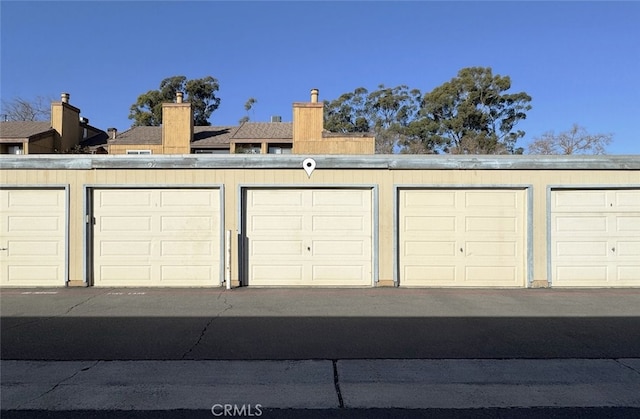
<point x="65" y="97"/>
<point x="314" y="95"/>
<point x="179" y="96"/>
<point x="112" y="133"/>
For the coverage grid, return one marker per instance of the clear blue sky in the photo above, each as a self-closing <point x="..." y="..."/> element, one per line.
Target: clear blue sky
<point x="580" y="61"/>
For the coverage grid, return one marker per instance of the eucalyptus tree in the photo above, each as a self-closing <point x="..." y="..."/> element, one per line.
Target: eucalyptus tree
<point x="473" y="113"/>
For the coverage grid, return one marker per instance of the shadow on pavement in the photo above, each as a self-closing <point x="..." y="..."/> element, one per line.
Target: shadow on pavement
<point x="275" y="338"/>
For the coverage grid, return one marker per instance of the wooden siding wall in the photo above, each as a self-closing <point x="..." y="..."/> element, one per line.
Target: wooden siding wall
<point x="122" y="148"/>
<point x="385" y="180"/>
<point x="345" y="145"/>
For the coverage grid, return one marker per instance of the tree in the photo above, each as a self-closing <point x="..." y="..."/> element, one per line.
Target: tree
<point x="20" y="109"/>
<point x="147" y="111"/>
<point x="473" y="114"/>
<point x="574" y="141"/>
<point x="386" y="112"/>
<point x="248" y="105"/>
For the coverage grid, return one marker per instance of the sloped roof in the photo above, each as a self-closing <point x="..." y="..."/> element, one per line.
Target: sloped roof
<point x="23" y="129"/>
<point x="212" y="136"/>
<point x="139" y="135"/>
<point x="264" y="131"/>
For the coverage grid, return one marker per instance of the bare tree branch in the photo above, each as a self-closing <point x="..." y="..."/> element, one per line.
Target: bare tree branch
<point x="21" y="109"/>
<point x="574" y="141"/>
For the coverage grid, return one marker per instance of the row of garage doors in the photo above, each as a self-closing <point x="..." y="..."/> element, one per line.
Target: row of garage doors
<point x="445" y="237"/>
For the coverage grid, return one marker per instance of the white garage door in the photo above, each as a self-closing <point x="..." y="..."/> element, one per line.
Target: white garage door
<point x="32" y="237"/>
<point x="156" y="237"/>
<point x="462" y="237"/>
<point x="595" y="238"/>
<point x="309" y="237"/>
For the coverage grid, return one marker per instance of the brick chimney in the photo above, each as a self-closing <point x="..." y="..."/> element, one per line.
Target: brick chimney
<point x="177" y="126"/>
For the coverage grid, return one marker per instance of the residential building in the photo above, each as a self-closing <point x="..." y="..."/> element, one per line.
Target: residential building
<point x="66" y="132"/>
<point x="177" y="135"/>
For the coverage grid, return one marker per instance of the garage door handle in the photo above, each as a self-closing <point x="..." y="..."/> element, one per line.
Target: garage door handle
<point x="4" y="248"/>
<point x="461" y="250"/>
<point x="613" y="249"/>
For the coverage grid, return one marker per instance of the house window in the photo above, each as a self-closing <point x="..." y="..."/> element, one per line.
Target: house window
<point x="248" y="148"/>
<point x="279" y="149"/>
<point x="138" y="151"/>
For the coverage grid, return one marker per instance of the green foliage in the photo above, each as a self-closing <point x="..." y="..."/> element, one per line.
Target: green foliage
<point x="147" y="111"/>
<point x="472" y="114"/>
<point x="248" y="105"/>
<point x="469" y="114"/>
<point x="385" y="112"/>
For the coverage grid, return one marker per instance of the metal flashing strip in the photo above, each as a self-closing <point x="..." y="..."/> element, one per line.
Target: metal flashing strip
<point x="324" y="162"/>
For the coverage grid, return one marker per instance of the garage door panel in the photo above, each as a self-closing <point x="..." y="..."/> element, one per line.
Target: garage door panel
<point x="319" y="241"/>
<point x="278" y="200"/>
<point x="628" y="224"/>
<point x="493" y="224"/>
<point x="181" y="273"/>
<point x="434" y="275"/>
<point x="584" y="274"/>
<point x="119" y="248"/>
<point x="172" y="240"/>
<point x="431" y="248"/>
<point x="627" y="200"/>
<point x="338" y="223"/>
<point x="119" y="224"/>
<point x="481" y="274"/>
<point x="628" y="249"/>
<point x="124" y="275"/>
<point x="275" y="248"/>
<point x="331" y="199"/>
<point x="491" y="248"/>
<point x="30" y="249"/>
<point x="266" y="274"/>
<point x="416" y="224"/>
<point x="482" y="237"/>
<point x="33" y="232"/>
<point x="275" y="223"/>
<point x="431" y="199"/>
<point x="38" y="275"/>
<point x="170" y="248"/>
<point x="124" y="198"/>
<point x="595" y="238"/>
<point x="582" y="248"/>
<point x="578" y="224"/>
<point x="172" y="224"/>
<point x="24" y="199"/>
<point x="494" y="199"/>
<point x="354" y="248"/>
<point x="176" y="200"/>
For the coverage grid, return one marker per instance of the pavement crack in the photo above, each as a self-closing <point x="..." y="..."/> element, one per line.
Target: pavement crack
<point x="203" y="332"/>
<point x="70" y="309"/>
<point x="336" y="383"/>
<point x="59" y="383"/>
<point x="629" y="367"/>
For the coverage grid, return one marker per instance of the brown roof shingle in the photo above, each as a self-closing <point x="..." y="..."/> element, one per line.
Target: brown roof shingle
<point x="23" y="129"/>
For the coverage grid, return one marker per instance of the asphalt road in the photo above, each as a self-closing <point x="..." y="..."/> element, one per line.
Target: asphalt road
<point x="90" y="352"/>
<point x="295" y="324"/>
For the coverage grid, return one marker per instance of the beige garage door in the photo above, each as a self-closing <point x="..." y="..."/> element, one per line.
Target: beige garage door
<point x="156" y="237"/>
<point x="309" y="237"/>
<point x="452" y="238"/>
<point x="595" y="238"/>
<point x="32" y="237"/>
